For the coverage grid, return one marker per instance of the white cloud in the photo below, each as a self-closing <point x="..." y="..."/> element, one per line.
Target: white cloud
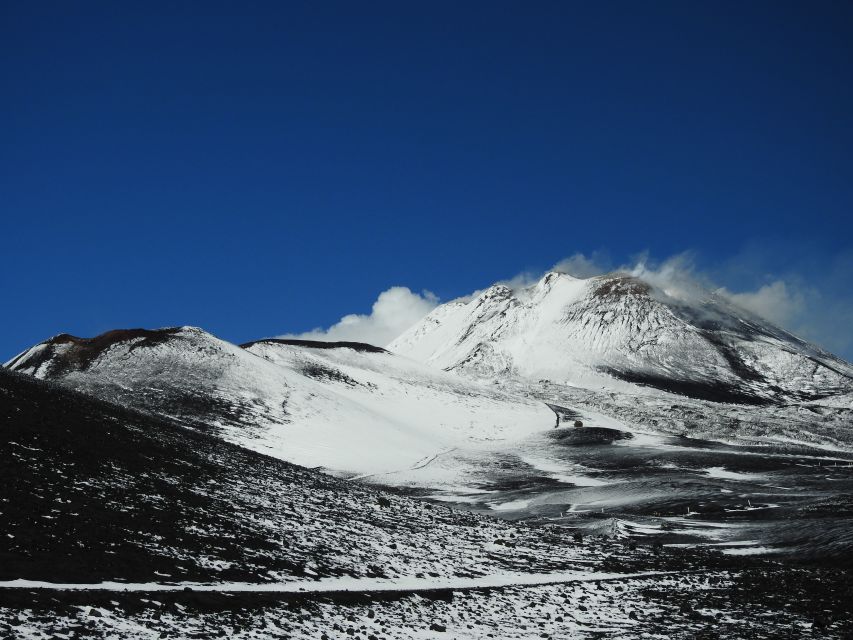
<point x="395" y="310"/>
<point x="778" y="301"/>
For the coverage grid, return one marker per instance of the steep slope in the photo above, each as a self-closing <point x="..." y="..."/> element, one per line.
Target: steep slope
<point x="349" y="408"/>
<point x="597" y="331"/>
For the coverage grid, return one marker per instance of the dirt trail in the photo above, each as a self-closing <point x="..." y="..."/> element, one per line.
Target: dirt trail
<point x="346" y="584"/>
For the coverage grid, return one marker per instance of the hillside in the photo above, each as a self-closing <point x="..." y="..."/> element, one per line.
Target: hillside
<point x="347" y="407"/>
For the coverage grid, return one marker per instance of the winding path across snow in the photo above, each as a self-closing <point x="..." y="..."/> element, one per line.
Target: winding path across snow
<point x="346" y="584"/>
<point x="419" y="464"/>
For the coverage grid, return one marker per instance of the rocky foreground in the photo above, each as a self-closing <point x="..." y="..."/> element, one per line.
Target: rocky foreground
<point x="754" y="602"/>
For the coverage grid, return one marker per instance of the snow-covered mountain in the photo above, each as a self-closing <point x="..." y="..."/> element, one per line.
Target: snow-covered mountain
<point x="609" y="330"/>
<point x="124" y="514"/>
<point x="343" y="406"/>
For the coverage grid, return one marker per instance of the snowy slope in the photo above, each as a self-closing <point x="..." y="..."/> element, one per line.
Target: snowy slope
<point x="607" y="330"/>
<point x="357" y="411"/>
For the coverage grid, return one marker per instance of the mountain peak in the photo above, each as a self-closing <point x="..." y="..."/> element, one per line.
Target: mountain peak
<point x="551" y="276"/>
<point x="619" y="284"/>
<point x="586" y="332"/>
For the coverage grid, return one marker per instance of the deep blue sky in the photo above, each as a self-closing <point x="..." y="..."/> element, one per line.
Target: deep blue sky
<point x="257" y="168"/>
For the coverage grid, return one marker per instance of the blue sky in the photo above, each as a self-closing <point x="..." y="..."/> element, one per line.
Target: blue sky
<point x="263" y="168"/>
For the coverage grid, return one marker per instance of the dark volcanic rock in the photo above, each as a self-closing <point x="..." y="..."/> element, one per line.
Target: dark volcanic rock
<point x="318" y="344"/>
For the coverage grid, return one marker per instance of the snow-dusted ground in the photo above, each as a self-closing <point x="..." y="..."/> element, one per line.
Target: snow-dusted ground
<point x="818" y="424"/>
<point x="771" y="496"/>
<point x="688" y="606"/>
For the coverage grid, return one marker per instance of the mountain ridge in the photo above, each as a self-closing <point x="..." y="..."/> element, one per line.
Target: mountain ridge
<point x="617" y="326"/>
<point x="312" y="404"/>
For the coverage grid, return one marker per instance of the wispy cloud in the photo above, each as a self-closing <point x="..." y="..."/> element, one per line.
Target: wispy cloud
<point x="778" y="301"/>
<point x="583" y="266"/>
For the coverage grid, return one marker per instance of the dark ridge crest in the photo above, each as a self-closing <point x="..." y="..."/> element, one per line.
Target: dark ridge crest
<point x="115" y="336"/>
<point x="85" y="350"/>
<point x="319" y="344"/>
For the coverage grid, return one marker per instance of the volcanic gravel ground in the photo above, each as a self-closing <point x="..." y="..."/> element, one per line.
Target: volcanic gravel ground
<point x="760" y="602"/>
